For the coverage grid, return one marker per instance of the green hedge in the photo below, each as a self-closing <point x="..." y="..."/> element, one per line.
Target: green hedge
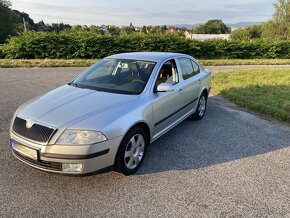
<point x="33" y="45"/>
<point x="1" y="52"/>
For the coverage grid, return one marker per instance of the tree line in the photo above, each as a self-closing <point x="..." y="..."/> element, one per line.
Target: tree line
<point x="14" y="22"/>
<point x="11" y="21"/>
<point x="278" y="28"/>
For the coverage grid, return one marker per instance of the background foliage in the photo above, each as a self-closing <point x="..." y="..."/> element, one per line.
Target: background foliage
<point x="31" y="45"/>
<point x="213" y="27"/>
<point x="11" y="21"/>
<point x="278" y="28"/>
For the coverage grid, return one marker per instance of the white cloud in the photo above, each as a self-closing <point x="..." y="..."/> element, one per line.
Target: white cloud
<point x="122" y="12"/>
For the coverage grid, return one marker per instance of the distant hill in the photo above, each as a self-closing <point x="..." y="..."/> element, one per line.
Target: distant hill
<point x="235" y="25"/>
<point x="243" y="24"/>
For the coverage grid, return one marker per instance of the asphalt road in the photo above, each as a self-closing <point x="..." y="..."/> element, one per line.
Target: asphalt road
<point x="230" y="164"/>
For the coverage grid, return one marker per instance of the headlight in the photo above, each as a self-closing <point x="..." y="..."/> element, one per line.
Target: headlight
<point x="80" y="137"/>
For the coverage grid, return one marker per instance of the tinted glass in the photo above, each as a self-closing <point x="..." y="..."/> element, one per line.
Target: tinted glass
<point x="188" y="68"/>
<point x="195" y="67"/>
<point x="117" y="76"/>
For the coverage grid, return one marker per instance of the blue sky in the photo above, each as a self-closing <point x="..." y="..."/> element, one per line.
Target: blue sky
<point x="145" y="12"/>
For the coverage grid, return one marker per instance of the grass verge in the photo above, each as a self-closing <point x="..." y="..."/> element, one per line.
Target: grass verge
<point x="266" y="91"/>
<point x="27" y="63"/>
<point x="41" y="63"/>
<point x="231" y="62"/>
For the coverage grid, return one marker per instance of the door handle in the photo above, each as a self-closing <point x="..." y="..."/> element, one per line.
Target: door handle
<point x="180" y="91"/>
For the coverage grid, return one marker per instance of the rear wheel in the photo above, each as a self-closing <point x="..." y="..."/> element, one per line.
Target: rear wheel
<point x="201" y="107"/>
<point x="132" y="151"/>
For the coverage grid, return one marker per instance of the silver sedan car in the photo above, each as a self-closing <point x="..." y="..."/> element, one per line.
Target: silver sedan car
<point x="106" y="117"/>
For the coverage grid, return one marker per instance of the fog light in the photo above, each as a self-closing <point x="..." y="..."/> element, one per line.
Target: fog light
<point x="72" y="167"/>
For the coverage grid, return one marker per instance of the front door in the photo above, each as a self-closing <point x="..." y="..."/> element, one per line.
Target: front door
<point x="167" y="105"/>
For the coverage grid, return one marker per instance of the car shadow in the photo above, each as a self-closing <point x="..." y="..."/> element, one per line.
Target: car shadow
<point x="223" y="135"/>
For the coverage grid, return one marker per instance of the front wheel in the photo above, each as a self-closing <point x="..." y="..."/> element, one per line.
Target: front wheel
<point x="201" y="107"/>
<point x="131" y="152"/>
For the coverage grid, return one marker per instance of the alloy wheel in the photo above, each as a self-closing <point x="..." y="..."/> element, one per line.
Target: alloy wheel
<point x="202" y="106"/>
<point x="134" y="151"/>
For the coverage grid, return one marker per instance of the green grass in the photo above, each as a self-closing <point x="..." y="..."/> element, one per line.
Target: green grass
<point x="41" y="63"/>
<point x="229" y="62"/>
<point x="266" y="91"/>
<point x="27" y="63"/>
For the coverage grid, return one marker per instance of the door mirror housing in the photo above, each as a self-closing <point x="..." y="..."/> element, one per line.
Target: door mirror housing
<point x="165" y="87"/>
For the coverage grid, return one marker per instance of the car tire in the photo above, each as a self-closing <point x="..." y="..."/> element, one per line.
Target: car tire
<point x="201" y="107"/>
<point x="131" y="152"/>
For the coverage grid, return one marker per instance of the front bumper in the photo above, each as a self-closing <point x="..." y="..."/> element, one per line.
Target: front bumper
<point x="56" y="158"/>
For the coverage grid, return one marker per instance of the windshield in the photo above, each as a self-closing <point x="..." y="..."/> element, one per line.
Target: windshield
<point x="117" y="76"/>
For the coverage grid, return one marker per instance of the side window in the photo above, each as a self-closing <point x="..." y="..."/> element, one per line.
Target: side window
<point x="195" y="68"/>
<point x="188" y="68"/>
<point x="168" y="74"/>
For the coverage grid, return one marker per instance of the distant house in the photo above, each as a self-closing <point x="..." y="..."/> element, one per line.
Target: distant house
<point x="172" y="29"/>
<point x="138" y="29"/>
<point x="187" y="33"/>
<point x="44" y="28"/>
<point x="207" y="36"/>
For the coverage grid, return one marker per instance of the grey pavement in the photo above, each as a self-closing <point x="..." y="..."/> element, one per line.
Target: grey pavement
<point x="230" y="164"/>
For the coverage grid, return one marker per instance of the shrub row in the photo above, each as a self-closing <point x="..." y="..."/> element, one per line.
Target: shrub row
<point x="89" y="45"/>
<point x="1" y="52"/>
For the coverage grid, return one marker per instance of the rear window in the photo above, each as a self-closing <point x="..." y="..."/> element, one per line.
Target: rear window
<point x="188" y="68"/>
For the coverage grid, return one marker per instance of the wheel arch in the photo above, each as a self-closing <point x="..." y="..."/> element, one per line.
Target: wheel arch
<point x="144" y="126"/>
<point x="140" y="124"/>
<point x="205" y="90"/>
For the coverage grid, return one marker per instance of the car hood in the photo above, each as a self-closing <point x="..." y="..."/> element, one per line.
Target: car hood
<point x="68" y="105"/>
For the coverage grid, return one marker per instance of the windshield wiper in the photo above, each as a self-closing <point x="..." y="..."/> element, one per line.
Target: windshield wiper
<point x="73" y="84"/>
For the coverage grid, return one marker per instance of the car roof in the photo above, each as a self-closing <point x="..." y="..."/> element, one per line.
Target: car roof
<point x="148" y="56"/>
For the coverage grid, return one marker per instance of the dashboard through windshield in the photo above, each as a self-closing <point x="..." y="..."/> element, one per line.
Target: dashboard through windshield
<point x="117" y="76"/>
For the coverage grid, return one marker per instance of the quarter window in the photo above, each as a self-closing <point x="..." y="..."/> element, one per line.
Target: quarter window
<point x="196" y="69"/>
<point x="188" y="68"/>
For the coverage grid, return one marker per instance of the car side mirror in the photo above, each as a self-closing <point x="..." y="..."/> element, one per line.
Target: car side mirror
<point x="165" y="87"/>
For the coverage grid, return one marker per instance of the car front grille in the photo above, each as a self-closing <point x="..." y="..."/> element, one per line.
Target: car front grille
<point x="40" y="163"/>
<point x="36" y="133"/>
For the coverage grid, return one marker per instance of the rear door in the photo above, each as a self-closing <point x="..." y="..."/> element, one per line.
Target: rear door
<point x="191" y="77"/>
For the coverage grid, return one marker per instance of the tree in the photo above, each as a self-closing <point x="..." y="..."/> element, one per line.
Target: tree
<point x="144" y="30"/>
<point x="11" y="21"/>
<point x="157" y="30"/>
<point x="41" y="27"/>
<point x="213" y="27"/>
<point x="247" y="33"/>
<point x="127" y="30"/>
<point x="76" y="28"/>
<point x="269" y="30"/>
<point x="276" y="28"/>
<point x="18" y="21"/>
<point x="58" y="27"/>
<point x="279" y="27"/>
<point x="7" y="26"/>
<point x="114" y="30"/>
<point x="93" y="28"/>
